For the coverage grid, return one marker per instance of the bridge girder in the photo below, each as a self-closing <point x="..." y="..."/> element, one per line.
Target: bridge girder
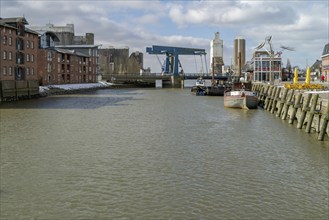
<point x="172" y="53"/>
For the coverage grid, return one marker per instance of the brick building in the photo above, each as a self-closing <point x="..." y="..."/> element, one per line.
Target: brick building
<point x="79" y="63"/>
<point x="60" y="61"/>
<point x="19" y="48"/>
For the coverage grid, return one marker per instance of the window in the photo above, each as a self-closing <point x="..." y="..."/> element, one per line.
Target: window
<point x="27" y="71"/>
<point x="32" y="44"/>
<point x="27" y="57"/>
<point x="49" y="56"/>
<point x="49" y="67"/>
<point x="27" y="44"/>
<point x="32" y="58"/>
<point x="4" y="55"/>
<point x="9" y="31"/>
<point x="4" y="70"/>
<point x="32" y="71"/>
<point x="4" y="39"/>
<point x="10" y="71"/>
<point x="10" y="55"/>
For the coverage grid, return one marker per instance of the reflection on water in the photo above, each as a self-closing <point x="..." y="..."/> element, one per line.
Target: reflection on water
<point x="156" y="154"/>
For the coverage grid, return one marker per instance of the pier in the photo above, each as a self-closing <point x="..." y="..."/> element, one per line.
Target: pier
<point x="308" y="110"/>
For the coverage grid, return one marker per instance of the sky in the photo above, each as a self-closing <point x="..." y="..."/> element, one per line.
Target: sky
<point x="137" y="24"/>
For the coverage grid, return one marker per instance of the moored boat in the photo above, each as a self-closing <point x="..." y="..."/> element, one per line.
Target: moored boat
<point x="200" y="88"/>
<point x="216" y="90"/>
<point x="200" y="82"/>
<point x="241" y="99"/>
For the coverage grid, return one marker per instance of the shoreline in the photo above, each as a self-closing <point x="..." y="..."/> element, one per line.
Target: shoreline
<point x="63" y="89"/>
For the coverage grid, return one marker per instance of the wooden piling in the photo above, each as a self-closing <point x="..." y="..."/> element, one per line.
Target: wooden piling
<point x="324" y="124"/>
<point x="268" y="96"/>
<point x="282" y="101"/>
<point x="304" y="111"/>
<point x="262" y="95"/>
<point x="287" y="104"/>
<point x="312" y="112"/>
<point x="296" y="106"/>
<point x="275" y="99"/>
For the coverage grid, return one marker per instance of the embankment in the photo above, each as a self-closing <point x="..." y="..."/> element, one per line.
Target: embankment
<point x="308" y="110"/>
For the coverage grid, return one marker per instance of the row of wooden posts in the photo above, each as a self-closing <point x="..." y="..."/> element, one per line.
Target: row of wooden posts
<point x="309" y="110"/>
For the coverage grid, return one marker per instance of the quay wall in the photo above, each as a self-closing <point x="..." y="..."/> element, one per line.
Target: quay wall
<point x="308" y="110"/>
<point x="20" y="89"/>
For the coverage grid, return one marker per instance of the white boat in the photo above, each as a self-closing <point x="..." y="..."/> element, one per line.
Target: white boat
<point x="200" y="88"/>
<point x="200" y="82"/>
<point x="241" y="99"/>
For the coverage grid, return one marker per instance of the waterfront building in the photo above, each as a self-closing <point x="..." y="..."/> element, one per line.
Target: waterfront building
<point x="325" y="62"/>
<point x="77" y="63"/>
<point x="266" y="67"/>
<point x="117" y="61"/>
<point x="239" y="55"/>
<point x="18" y="50"/>
<point x="71" y="59"/>
<point x="66" y="34"/>
<point x="216" y="55"/>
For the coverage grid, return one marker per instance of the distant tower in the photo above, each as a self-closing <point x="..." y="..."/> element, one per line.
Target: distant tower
<point x="216" y="55"/>
<point x="239" y="54"/>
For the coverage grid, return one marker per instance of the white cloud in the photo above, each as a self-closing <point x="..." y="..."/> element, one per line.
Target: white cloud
<point x="138" y="24"/>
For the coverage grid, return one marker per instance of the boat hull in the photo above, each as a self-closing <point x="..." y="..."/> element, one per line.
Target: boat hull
<point x="216" y="90"/>
<point x="199" y="90"/>
<point x="243" y="100"/>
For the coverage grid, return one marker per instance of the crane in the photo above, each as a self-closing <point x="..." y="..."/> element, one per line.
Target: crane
<point x="172" y="62"/>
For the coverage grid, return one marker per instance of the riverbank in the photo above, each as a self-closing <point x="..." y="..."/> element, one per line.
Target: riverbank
<point x="72" y="88"/>
<point x="83" y="87"/>
<point x="308" y="109"/>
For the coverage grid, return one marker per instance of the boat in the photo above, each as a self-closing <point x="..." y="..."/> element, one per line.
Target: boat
<point x="218" y="88"/>
<point x="239" y="97"/>
<point x="200" y="82"/>
<point x="200" y="88"/>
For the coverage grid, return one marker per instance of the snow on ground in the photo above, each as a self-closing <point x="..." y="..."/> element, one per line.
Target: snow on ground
<point x="69" y="87"/>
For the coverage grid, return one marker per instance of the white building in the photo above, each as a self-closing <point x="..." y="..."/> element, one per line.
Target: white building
<point x="216" y="55"/>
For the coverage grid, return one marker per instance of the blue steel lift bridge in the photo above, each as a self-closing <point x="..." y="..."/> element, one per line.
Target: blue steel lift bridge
<point x="172" y="61"/>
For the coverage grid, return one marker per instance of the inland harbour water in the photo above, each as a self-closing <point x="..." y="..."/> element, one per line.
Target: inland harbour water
<point x="156" y="154"/>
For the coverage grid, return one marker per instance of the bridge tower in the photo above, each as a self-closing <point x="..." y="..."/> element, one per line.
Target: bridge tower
<point x="172" y="62"/>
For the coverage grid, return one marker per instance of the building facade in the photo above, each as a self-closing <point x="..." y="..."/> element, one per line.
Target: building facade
<point x="65" y="58"/>
<point x="19" y="48"/>
<point x="216" y="55"/>
<point x="66" y="34"/>
<point x="62" y="66"/>
<point x="265" y="67"/>
<point x="117" y="61"/>
<point x="325" y="62"/>
<point x="239" y="59"/>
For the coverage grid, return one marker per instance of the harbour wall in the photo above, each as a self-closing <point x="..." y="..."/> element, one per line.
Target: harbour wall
<point x="14" y="90"/>
<point x="308" y="110"/>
